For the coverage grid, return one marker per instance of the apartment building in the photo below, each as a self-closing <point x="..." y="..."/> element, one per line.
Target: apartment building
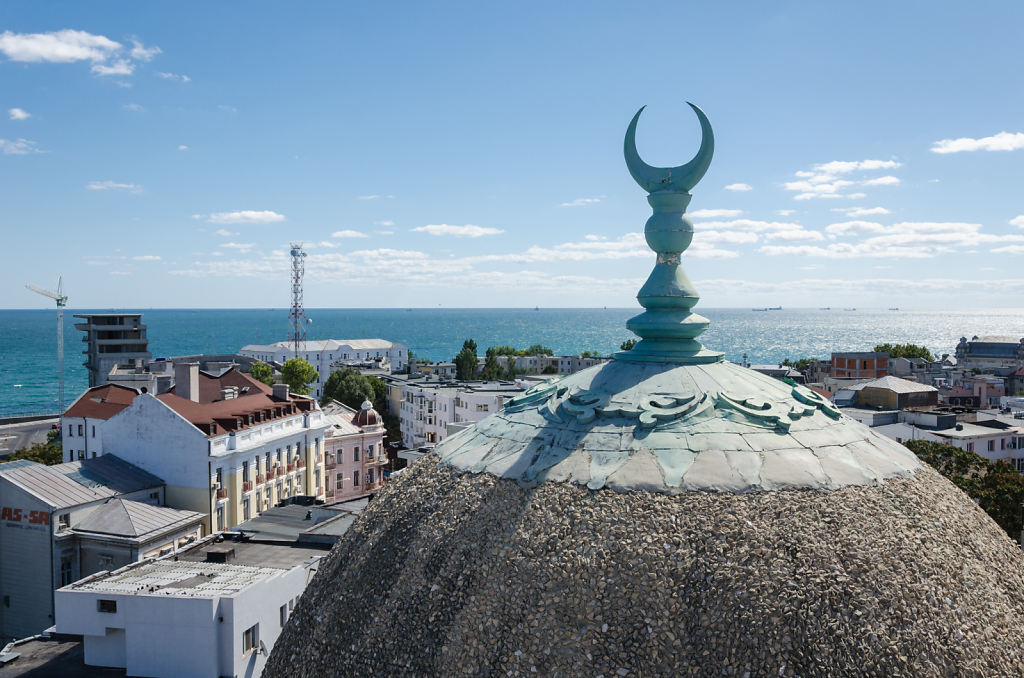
<point x="112" y="338"/>
<point x="429" y="408"/>
<point x="332" y="354"/>
<point x="227" y="445"/>
<point x="859" y="365"/>
<point x="354" y="451"/>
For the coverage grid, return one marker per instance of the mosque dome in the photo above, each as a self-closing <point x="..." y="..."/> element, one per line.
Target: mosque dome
<point x="367" y="416"/>
<point x="665" y="513"/>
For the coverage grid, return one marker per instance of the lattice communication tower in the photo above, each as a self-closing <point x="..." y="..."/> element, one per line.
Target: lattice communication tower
<point x="298" y="313"/>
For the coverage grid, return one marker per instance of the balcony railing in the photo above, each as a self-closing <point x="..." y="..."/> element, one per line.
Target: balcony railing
<point x="291" y="467"/>
<point x="222" y="493"/>
<point x="301" y="463"/>
<point x="246" y="486"/>
<point x="260" y="479"/>
<point x="330" y="465"/>
<point x="278" y="472"/>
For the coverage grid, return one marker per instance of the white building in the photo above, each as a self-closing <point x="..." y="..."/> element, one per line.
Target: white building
<point x="226" y="445"/>
<point x="332" y="354"/>
<point x="60" y="523"/>
<point x="213" y="610"/>
<point x="430" y="407"/>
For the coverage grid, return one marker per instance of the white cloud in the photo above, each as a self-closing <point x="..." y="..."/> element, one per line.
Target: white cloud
<point x="326" y="243"/>
<point x="784" y="213"/>
<point x="1004" y="141"/>
<point x="242" y="247"/>
<point x="739" y="187"/>
<point x="226" y="108"/>
<point x="120" y="273"/>
<point x="225" y="233"/>
<point x="714" y="213"/>
<point x="385" y="222"/>
<point x="580" y="202"/>
<point x="912" y="240"/>
<point x="136" y="108"/>
<point x="822" y="180"/>
<point x="118" y="67"/>
<point x="348" y="233"/>
<point x="1018" y="221"/>
<point x="887" y="180"/>
<point x="173" y="76"/>
<point x="751" y="225"/>
<point x="861" y="211"/>
<point x="141" y="53"/>
<point x="466" y="231"/>
<point x="1009" y="249"/>
<point x="246" y="217"/>
<point x="384" y="232"/>
<point x="113" y="186"/>
<point x="369" y="197"/>
<point x="63" y="46"/>
<point x="182" y="147"/>
<point x="147" y="257"/>
<point x="19" y="147"/>
<point x="802" y="234"/>
<point x="19" y="114"/>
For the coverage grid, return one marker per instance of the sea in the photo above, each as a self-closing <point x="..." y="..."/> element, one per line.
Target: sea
<point x="28" y="347"/>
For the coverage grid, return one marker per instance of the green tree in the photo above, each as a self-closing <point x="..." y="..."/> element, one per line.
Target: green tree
<point x="997" y="487"/>
<point x="801" y="364"/>
<point x="298" y="374"/>
<point x="537" y="349"/>
<point x="492" y="368"/>
<point x="628" y="344"/>
<point x="550" y="369"/>
<point x="48" y="453"/>
<point x="905" y="351"/>
<point x="348" y="387"/>
<point x="465" y="361"/>
<point x="262" y="372"/>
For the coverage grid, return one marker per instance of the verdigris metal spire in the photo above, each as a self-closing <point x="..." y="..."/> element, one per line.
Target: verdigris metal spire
<point x="667" y="328"/>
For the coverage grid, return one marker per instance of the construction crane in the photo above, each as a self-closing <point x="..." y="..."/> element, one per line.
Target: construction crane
<point x="62" y="301"/>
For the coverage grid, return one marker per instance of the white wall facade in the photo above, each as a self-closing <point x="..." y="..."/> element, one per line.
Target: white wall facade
<point x="81" y="437"/>
<point x="168" y="635"/>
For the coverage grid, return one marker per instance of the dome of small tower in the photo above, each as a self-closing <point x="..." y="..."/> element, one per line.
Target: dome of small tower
<point x="367" y="416"/>
<point x="665" y="513"/>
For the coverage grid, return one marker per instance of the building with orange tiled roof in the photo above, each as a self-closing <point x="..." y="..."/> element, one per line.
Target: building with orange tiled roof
<point x="227" y="445"/>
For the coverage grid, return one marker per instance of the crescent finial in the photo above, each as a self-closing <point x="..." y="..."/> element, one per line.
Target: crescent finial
<point x="681" y="178"/>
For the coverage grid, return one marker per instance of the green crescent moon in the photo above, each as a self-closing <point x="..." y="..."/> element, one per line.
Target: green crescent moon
<point x="681" y="178"/>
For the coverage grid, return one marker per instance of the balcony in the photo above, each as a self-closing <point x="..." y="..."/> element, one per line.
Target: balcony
<point x="246" y="486"/>
<point x="290" y="467"/>
<point x="260" y="479"/>
<point x="330" y="465"/>
<point x="301" y="463"/>
<point x="278" y="472"/>
<point x="222" y="493"/>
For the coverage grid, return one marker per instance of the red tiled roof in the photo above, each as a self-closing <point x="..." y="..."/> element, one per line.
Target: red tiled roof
<point x="255" y="403"/>
<point x="820" y="391"/>
<point x="102" y="402"/>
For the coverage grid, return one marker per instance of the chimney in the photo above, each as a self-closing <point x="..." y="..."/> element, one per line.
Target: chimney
<point x="281" y="391"/>
<point x="186" y="381"/>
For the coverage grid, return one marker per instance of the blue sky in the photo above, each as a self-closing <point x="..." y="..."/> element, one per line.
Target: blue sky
<point x="470" y="154"/>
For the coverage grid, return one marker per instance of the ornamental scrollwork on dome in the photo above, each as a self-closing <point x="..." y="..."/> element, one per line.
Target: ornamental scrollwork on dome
<point x="649" y="410"/>
<point x="776" y="415"/>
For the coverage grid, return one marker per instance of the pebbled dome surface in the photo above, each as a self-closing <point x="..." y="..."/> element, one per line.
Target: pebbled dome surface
<point x="450" y="573"/>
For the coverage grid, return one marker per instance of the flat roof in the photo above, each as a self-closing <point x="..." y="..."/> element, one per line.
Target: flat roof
<point x="188" y="574"/>
<point x="57" y="655"/>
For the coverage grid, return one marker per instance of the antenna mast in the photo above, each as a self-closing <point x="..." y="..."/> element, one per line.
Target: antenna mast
<point x="297" y="314"/>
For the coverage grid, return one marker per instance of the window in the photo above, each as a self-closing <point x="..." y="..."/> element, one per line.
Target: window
<point x="284" y="614"/>
<point x="106" y="561"/>
<point x="355" y="453"/>
<point x="71" y="432"/>
<point x="155" y="496"/>
<point x="481" y="408"/>
<point x="64" y="521"/>
<point x="970" y="447"/>
<point x="991" y="446"/>
<point x="245" y="508"/>
<point x="81" y="454"/>
<point x="220" y="476"/>
<point x="106" y="605"/>
<point x="355" y="478"/>
<point x="220" y="519"/>
<point x="65" y="570"/>
<point x="79" y="429"/>
<point x="369" y="451"/>
<point x="340" y="483"/>
<point x="369" y="476"/>
<point x="250" y="638"/>
<point x="94" y="431"/>
<point x="245" y="471"/>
